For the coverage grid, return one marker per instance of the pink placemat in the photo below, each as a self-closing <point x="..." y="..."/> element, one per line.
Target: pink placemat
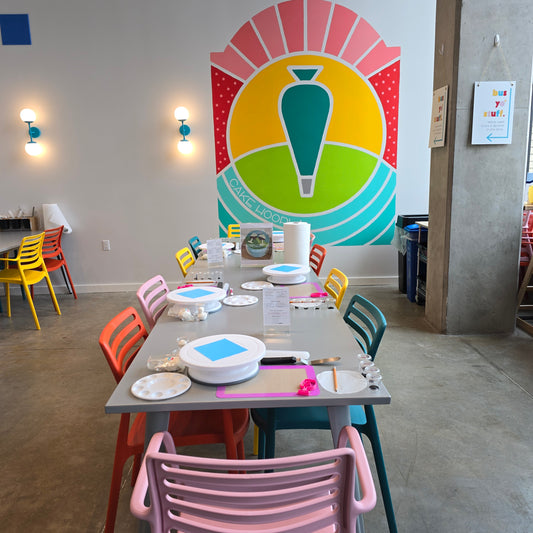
<point x="271" y="380"/>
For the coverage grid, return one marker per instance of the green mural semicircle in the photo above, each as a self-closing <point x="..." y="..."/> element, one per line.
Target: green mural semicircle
<point x="270" y="175"/>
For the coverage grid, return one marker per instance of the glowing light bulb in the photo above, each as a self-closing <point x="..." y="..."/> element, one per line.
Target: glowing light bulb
<point x="181" y="113"/>
<point x="33" y="148"/>
<point x="185" y="147"/>
<point x="27" y="115"/>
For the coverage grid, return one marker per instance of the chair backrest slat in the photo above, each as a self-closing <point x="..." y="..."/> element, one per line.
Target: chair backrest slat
<point x="52" y="242"/>
<point x="367" y="321"/>
<point x="316" y="258"/>
<point x="121" y="339"/>
<point x="152" y="296"/>
<point x="185" y="260"/>
<point x="194" y="243"/>
<point x="234" y="231"/>
<point x="30" y="252"/>
<point x="306" y="493"/>
<point x="336" y="285"/>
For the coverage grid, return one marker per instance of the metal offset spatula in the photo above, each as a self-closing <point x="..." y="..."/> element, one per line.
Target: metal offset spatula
<point x="293" y="360"/>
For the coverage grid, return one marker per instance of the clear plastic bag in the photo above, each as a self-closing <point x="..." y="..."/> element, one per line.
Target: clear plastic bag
<point x="187" y="314"/>
<point x="166" y="363"/>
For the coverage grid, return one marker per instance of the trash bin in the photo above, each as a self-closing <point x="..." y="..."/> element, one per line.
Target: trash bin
<point x="413" y="231"/>
<point x="401" y="222"/>
<point x="411" y="262"/>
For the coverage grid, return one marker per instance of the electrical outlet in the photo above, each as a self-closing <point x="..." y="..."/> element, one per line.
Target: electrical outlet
<point x="106" y="246"/>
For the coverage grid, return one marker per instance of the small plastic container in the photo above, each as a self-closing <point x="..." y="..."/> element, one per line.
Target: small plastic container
<point x="366" y="366"/>
<point x="374" y="379"/>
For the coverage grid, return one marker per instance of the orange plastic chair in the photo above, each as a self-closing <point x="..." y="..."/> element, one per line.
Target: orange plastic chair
<point x="311" y="492"/>
<point x="27" y="269"/>
<point x="336" y="285"/>
<point x="54" y="258"/>
<point x="316" y="258"/>
<point x="120" y="341"/>
<point x="185" y="260"/>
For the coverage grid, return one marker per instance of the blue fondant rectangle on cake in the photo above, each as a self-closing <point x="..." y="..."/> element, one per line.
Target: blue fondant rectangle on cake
<point x="220" y="349"/>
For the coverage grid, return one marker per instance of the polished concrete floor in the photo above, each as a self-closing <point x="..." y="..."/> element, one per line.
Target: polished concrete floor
<point x="456" y="437"/>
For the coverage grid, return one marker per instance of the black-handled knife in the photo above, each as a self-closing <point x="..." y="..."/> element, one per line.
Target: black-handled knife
<point x="279" y="360"/>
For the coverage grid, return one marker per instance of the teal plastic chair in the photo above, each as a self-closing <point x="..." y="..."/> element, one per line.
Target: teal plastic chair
<point x="194" y="243"/>
<point x="368" y="325"/>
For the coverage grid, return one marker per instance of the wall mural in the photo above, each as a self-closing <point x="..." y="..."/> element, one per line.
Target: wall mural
<point x="305" y="110"/>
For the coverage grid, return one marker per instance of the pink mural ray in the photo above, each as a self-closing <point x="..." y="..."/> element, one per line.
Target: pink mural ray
<point x="380" y="55"/>
<point x="363" y="37"/>
<point x="247" y="42"/>
<point x="267" y="25"/>
<point x="317" y="21"/>
<point x="386" y="82"/>
<point x="341" y="23"/>
<point x="292" y="19"/>
<point x="231" y="61"/>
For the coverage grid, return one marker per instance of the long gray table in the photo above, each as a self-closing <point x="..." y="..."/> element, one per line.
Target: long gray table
<point x="322" y="333"/>
<point x="10" y="240"/>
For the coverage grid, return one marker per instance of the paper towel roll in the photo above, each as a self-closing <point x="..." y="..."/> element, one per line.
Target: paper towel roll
<point x="296" y="248"/>
<point x="53" y="217"/>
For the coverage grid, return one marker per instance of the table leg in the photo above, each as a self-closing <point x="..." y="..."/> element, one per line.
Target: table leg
<point x="155" y="422"/>
<point x="339" y="416"/>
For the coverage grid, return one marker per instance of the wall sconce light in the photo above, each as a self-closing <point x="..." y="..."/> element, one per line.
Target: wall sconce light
<point x="184" y="145"/>
<point x="32" y="147"/>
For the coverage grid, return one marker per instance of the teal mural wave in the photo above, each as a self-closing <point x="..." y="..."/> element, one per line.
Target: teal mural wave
<point x="366" y="218"/>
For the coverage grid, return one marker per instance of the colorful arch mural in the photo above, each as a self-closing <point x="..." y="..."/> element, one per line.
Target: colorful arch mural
<point x="305" y="111"/>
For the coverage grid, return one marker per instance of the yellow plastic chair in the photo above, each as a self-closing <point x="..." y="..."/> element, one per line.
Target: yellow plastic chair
<point x="27" y="269"/>
<point x="336" y="285"/>
<point x="185" y="260"/>
<point x="234" y="231"/>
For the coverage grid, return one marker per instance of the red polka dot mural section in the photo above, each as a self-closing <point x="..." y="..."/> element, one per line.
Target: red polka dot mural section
<point x="387" y="85"/>
<point x="225" y="88"/>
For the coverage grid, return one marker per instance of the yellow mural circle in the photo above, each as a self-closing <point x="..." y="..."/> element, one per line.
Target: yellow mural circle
<point x="356" y="118"/>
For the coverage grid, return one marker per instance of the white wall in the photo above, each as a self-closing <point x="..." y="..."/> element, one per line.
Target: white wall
<point x="104" y="78"/>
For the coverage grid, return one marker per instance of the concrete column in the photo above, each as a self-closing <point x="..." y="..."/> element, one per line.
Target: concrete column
<point x="476" y="192"/>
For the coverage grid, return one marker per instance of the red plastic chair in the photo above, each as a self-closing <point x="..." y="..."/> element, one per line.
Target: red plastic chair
<point x="300" y="494"/>
<point x="527" y="222"/>
<point x="54" y="258"/>
<point x="152" y="297"/>
<point x="120" y="341"/>
<point x="316" y="258"/>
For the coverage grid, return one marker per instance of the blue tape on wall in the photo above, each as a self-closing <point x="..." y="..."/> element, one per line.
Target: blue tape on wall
<point x="15" y="29"/>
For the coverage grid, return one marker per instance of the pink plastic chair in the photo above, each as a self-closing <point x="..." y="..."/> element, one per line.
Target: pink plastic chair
<point x="300" y="494"/>
<point x="152" y="296"/>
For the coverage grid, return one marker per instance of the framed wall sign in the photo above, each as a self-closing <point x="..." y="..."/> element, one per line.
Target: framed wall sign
<point x="437" y="131"/>
<point x="492" y="122"/>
